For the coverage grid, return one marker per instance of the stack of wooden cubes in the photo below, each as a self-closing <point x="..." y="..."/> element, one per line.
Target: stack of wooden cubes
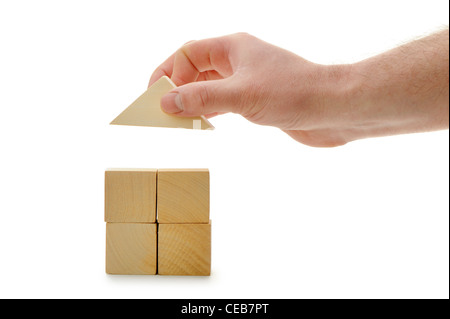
<point x="157" y="222"/>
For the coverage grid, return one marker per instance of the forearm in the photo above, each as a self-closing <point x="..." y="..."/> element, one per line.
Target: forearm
<point x="404" y="90"/>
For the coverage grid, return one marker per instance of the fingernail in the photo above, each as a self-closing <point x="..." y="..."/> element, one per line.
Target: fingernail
<point x="171" y="103"/>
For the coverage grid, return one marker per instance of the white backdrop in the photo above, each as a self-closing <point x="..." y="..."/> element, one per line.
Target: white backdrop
<point x="366" y="220"/>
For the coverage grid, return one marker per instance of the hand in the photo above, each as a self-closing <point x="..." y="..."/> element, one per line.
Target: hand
<point x="242" y="74"/>
<point x="315" y="104"/>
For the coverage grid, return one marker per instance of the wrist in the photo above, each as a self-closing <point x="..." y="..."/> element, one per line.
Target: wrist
<point x="341" y="102"/>
<point x="355" y="98"/>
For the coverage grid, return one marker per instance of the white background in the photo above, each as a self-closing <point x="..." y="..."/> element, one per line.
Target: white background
<point x="366" y="220"/>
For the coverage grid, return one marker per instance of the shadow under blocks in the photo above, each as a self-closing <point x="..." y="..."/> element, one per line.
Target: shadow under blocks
<point x="157" y="222"/>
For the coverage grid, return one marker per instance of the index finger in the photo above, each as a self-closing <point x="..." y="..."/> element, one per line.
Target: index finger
<point x="194" y="58"/>
<point x="164" y="69"/>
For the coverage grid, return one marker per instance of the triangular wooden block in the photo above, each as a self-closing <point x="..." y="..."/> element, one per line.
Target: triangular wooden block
<point x="146" y="111"/>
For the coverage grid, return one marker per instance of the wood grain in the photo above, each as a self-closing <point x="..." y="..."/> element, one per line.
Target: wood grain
<point x="130" y="195"/>
<point x="184" y="249"/>
<point x="131" y="249"/>
<point x="183" y="196"/>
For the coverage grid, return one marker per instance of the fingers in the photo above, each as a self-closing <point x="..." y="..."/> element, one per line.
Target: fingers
<point x="164" y="69"/>
<point x="209" y="55"/>
<point x="199" y="98"/>
<point x="202" y="70"/>
<point x="196" y="61"/>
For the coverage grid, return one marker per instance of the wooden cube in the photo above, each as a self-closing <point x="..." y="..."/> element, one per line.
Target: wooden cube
<point x="183" y="196"/>
<point x="130" y="195"/>
<point x="131" y="249"/>
<point x="184" y="249"/>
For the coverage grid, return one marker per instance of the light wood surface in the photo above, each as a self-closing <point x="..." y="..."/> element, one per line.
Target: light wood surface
<point x="183" y="196"/>
<point x="130" y="195"/>
<point x="131" y="249"/>
<point x="146" y="110"/>
<point x="184" y="249"/>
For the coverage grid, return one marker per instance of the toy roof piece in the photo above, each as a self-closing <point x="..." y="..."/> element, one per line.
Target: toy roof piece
<point x="146" y="111"/>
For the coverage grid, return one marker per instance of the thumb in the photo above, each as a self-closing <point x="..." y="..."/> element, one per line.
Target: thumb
<point x="200" y="98"/>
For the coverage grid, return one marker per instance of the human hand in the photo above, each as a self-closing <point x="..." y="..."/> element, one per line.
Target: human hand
<point x="242" y="74"/>
<point x="317" y="105"/>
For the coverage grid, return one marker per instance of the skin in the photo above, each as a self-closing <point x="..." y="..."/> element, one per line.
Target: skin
<point x="403" y="90"/>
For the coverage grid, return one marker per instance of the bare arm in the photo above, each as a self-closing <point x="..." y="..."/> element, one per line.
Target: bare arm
<point x="403" y="90"/>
